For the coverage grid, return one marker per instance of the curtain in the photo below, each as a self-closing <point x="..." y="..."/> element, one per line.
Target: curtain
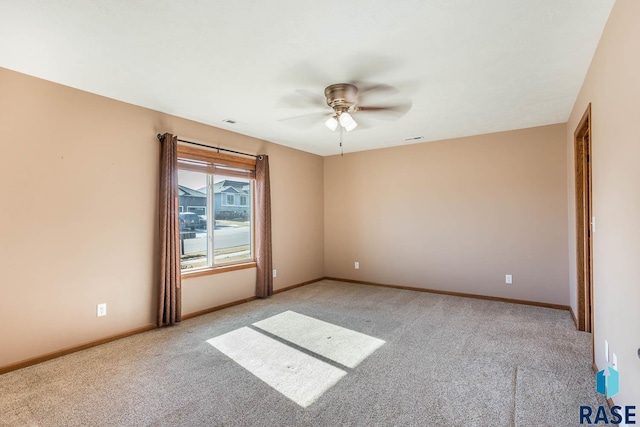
<point x="169" y="303"/>
<point x="264" y="279"/>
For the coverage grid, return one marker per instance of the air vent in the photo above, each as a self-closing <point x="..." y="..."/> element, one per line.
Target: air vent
<point x="231" y="122"/>
<point x="414" y="138"/>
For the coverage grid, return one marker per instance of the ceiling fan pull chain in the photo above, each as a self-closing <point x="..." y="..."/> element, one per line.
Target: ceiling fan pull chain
<point x="341" y="148"/>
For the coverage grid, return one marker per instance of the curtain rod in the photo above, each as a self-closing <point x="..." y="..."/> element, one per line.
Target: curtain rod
<point x="161" y="138"/>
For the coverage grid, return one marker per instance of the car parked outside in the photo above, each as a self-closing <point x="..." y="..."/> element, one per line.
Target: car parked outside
<point x="189" y="221"/>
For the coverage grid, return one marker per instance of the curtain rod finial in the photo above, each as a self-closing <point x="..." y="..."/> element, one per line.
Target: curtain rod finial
<point x="160" y="137"/>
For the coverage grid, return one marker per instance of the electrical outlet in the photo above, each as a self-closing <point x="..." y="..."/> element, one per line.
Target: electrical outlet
<point x="606" y="350"/>
<point x="614" y="362"/>
<point x="508" y="279"/>
<point x="275" y="273"/>
<point x="102" y="309"/>
<point x="357" y="265"/>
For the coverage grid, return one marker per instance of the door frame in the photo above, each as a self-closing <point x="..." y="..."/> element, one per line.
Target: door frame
<point x="583" y="142"/>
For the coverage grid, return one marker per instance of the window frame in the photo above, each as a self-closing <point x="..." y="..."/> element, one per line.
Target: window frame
<point x="214" y="163"/>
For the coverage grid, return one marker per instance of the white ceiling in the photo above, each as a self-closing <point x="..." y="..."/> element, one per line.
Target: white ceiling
<point x="468" y="67"/>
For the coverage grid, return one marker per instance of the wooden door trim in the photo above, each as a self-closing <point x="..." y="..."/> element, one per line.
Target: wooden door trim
<point x="584" y="235"/>
<point x="586" y="116"/>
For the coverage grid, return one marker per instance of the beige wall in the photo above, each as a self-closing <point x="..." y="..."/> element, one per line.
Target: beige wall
<point x="78" y="178"/>
<point x="454" y="215"/>
<point x="612" y="86"/>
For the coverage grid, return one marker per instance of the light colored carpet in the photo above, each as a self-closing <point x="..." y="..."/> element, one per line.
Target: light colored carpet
<point x="446" y="361"/>
<point x="536" y="389"/>
<point x="300" y="377"/>
<point x="339" y="344"/>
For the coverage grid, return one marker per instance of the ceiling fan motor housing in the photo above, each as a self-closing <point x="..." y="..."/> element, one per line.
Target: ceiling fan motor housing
<point x="341" y="96"/>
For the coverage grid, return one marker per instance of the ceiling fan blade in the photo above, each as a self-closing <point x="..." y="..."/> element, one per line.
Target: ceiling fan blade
<point x="316" y="98"/>
<point x="371" y="91"/>
<point x="306" y="121"/>
<point x="363" y="123"/>
<point x="302" y="99"/>
<point x="384" y="112"/>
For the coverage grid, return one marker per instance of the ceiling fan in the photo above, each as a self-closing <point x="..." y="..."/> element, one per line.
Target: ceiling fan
<point x="346" y="100"/>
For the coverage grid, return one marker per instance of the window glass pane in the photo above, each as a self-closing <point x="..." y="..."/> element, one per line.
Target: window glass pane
<point x="192" y="194"/>
<point x="232" y="232"/>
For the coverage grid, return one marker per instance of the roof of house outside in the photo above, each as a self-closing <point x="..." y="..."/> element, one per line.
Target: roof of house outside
<point x="186" y="191"/>
<point x="230" y="186"/>
<point x="224" y="186"/>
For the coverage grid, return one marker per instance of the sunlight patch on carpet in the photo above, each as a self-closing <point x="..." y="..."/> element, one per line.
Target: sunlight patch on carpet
<point x="336" y="343"/>
<point x="298" y="376"/>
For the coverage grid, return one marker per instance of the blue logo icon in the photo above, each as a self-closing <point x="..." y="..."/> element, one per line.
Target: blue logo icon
<point x="608" y="382"/>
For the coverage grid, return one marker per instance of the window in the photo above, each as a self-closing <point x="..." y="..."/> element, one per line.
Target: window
<point x="243" y="200"/>
<point x="180" y="209"/>
<point x="214" y="232"/>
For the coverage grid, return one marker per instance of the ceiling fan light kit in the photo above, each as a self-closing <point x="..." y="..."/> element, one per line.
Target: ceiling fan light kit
<point x="344" y="119"/>
<point x="347" y="122"/>
<point x="331" y="123"/>
<point x="342" y="98"/>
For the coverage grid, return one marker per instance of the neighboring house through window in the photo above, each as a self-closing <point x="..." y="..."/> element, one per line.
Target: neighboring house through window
<point x="208" y="184"/>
